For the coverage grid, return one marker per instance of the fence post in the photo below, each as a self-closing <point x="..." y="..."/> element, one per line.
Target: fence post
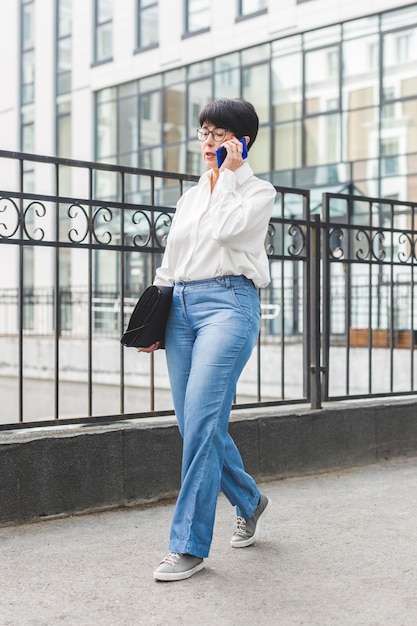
<point x="315" y="309"/>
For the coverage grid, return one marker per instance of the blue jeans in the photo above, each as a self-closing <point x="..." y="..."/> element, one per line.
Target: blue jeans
<point x="212" y="329"/>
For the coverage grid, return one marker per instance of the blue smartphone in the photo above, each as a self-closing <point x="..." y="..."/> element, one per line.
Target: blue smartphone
<point x="221" y="152"/>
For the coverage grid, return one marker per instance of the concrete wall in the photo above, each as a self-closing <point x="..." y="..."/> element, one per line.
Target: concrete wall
<point x="64" y="470"/>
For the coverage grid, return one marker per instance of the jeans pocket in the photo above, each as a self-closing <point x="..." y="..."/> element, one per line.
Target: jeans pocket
<point x="243" y="300"/>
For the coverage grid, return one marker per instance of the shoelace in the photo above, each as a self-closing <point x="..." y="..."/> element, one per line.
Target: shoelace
<point x="240" y="526"/>
<point x="172" y="558"/>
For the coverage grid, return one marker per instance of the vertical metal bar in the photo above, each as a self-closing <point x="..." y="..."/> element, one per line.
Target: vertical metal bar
<point x="392" y="317"/>
<point x="282" y="300"/>
<point x="412" y="331"/>
<point x="307" y="302"/>
<point x="122" y="291"/>
<point x="315" y="364"/>
<point x="90" y="295"/>
<point x="326" y="298"/>
<point x="258" y="363"/>
<point x="57" y="298"/>
<point x="348" y="290"/>
<point x="370" y="307"/>
<point x="21" y="294"/>
<point x="152" y="355"/>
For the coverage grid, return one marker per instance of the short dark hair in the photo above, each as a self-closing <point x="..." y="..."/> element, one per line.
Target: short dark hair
<point x="236" y="115"/>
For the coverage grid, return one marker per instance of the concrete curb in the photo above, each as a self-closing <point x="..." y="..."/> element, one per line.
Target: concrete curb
<point x="63" y="470"/>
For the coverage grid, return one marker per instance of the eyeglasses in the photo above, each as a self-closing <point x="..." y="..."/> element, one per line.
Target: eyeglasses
<point x="218" y="134"/>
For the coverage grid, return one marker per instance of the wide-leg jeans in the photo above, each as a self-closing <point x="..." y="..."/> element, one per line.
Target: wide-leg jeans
<point x="212" y="329"/>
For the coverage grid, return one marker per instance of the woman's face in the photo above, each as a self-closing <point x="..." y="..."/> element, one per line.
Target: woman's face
<point x="215" y="138"/>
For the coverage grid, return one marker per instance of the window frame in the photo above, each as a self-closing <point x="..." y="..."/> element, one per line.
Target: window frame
<point x="192" y="33"/>
<point x="247" y="16"/>
<point x="139" y="13"/>
<point x="98" y="26"/>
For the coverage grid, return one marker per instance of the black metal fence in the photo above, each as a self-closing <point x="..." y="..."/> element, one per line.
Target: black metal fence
<point x="80" y="240"/>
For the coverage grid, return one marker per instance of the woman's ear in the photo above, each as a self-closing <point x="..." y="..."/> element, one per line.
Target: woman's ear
<point x="247" y="139"/>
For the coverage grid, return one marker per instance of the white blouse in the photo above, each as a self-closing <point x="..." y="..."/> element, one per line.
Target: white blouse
<point x="220" y="233"/>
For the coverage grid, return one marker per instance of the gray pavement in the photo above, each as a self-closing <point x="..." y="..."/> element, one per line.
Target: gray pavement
<point x="336" y="549"/>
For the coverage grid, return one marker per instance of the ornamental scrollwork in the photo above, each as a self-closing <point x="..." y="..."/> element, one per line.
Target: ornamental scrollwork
<point x="162" y="227"/>
<point x="270" y="248"/>
<point x="99" y="232"/>
<point x="374" y="246"/>
<point x="405" y="240"/>
<point x="142" y="238"/>
<point x="298" y="245"/>
<point x="34" y="210"/>
<point x="336" y="239"/>
<point x="79" y="233"/>
<point x="8" y="230"/>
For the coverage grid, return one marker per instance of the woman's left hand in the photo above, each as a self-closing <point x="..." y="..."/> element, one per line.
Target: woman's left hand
<point x="152" y="348"/>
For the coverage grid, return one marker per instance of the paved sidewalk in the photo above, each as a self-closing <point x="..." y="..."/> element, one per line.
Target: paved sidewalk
<point x="337" y="549"/>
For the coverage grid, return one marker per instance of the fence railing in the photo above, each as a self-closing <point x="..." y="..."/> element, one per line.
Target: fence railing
<point x="80" y="240"/>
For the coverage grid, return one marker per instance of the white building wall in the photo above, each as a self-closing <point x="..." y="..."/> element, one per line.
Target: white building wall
<point x="225" y="35"/>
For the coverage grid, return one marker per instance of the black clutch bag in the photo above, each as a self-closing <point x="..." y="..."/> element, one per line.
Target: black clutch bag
<point x="148" y="320"/>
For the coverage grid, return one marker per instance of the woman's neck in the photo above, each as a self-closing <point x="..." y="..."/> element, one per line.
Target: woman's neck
<point x="214" y="178"/>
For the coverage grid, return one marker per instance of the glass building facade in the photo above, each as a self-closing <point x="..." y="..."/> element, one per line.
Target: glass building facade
<point x="337" y="107"/>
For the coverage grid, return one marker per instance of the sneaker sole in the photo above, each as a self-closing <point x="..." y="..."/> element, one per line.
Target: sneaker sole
<point x="248" y="542"/>
<point x="167" y="576"/>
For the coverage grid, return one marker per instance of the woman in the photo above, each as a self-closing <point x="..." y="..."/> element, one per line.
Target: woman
<point x="215" y="258"/>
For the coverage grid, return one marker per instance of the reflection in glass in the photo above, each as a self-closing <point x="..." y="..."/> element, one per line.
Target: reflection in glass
<point x="361" y="73"/>
<point x="322" y="79"/>
<point x="174" y="123"/>
<point x="287" y="87"/>
<point x="287" y="146"/>
<point x="255" y="88"/>
<point x="322" y="138"/>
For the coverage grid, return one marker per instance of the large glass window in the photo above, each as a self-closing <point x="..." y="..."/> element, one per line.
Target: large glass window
<point x="361" y="73"/>
<point x="399" y="62"/>
<point x="322" y="139"/>
<point x="148" y="24"/>
<point x="103" y="30"/>
<point x="64" y="45"/>
<point x="27" y="52"/>
<point x="255" y="88"/>
<point x="197" y="16"/>
<point x="128" y="126"/>
<point x="321" y="97"/>
<point x="322" y="80"/>
<point x="287" y="85"/>
<point x="287" y="146"/>
<point x="360" y="134"/>
<point x="227" y="76"/>
<point x="106" y="139"/>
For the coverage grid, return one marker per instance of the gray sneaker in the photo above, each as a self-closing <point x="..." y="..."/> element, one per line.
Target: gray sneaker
<point x="247" y="530"/>
<point x="178" y="566"/>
